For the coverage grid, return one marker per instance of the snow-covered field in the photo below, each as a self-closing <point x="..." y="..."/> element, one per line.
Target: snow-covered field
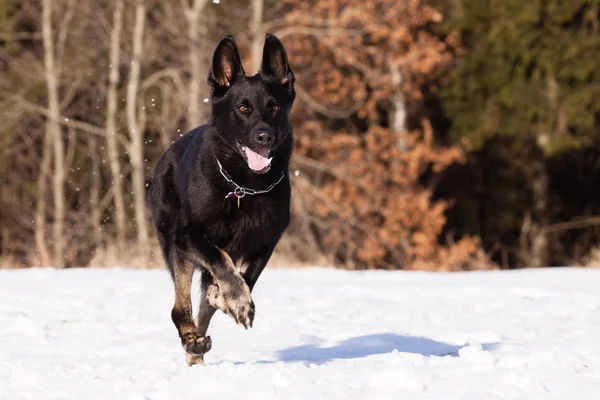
<point x="318" y="334"/>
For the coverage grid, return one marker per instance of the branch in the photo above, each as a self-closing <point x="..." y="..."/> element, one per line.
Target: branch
<point x="71" y="91"/>
<point x="350" y="59"/>
<point x="83" y="126"/>
<point x="62" y="35"/>
<point x="70" y="150"/>
<point x="320" y="166"/>
<point x="27" y="66"/>
<point x="315" y="105"/>
<point x="163" y="73"/>
<point x="320" y="33"/>
<point x="579" y="223"/>
<point x="334" y="208"/>
<point x="323" y="22"/>
<point x="8" y="36"/>
<point x="316" y="32"/>
<point x="198" y="6"/>
<point x="192" y="12"/>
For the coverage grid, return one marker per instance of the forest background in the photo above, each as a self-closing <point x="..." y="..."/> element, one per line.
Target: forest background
<point x="440" y="135"/>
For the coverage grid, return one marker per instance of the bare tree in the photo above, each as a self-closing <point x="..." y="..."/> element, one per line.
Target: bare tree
<point x="198" y="70"/>
<point x="54" y="132"/>
<point x="111" y="123"/>
<point x="398" y="111"/>
<point x="535" y="250"/>
<point x="95" y="187"/>
<point x="40" y="213"/>
<point x="136" y="126"/>
<point x="257" y="33"/>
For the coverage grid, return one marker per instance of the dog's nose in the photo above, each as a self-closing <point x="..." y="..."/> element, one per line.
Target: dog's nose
<point x="265" y="138"/>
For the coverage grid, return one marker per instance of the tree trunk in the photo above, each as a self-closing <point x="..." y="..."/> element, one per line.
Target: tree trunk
<point x="136" y="150"/>
<point x="53" y="130"/>
<point x="111" y="124"/>
<point x="40" y="213"/>
<point x="539" y="253"/>
<point x="257" y="32"/>
<point x="398" y="114"/>
<point x="534" y="238"/>
<point x="95" y="193"/>
<point x="197" y="72"/>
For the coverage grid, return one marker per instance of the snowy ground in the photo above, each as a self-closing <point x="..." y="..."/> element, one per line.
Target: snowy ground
<point x="318" y="334"/>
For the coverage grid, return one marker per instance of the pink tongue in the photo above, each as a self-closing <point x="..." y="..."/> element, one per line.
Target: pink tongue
<point x="257" y="160"/>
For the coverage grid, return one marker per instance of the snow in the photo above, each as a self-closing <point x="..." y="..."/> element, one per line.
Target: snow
<point x="319" y="334"/>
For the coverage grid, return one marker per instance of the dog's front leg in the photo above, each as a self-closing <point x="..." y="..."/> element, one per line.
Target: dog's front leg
<point x="215" y="298"/>
<point x="229" y="292"/>
<point x="195" y="343"/>
<point x="256" y="266"/>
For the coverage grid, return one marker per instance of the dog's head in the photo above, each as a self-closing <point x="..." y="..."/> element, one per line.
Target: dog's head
<point x="251" y="113"/>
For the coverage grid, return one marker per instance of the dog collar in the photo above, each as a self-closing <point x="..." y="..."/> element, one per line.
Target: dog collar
<point x="241" y="191"/>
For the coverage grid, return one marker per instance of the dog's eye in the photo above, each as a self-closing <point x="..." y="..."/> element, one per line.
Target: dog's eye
<point x="275" y="107"/>
<point x="243" y="108"/>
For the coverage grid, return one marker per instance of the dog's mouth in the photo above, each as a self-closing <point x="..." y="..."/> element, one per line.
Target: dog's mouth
<point x="259" y="160"/>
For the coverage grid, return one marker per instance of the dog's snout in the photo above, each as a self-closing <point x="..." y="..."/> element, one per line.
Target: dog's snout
<point x="264" y="138"/>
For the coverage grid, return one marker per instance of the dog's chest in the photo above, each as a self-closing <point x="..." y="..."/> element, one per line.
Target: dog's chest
<point x="248" y="229"/>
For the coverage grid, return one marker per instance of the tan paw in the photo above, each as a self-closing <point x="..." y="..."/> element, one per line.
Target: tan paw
<point x="234" y="300"/>
<point x="194" y="359"/>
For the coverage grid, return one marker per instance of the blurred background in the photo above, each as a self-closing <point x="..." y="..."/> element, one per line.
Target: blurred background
<point x="439" y="135"/>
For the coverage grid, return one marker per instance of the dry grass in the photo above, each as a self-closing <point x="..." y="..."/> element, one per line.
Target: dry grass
<point x="593" y="258"/>
<point x="9" y="262"/>
<point x="151" y="258"/>
<point x="280" y="260"/>
<point x="285" y="256"/>
<point x="135" y="257"/>
<point x="131" y="257"/>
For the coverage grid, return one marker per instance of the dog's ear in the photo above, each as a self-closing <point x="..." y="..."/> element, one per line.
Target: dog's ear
<point x="275" y="67"/>
<point x="226" y="64"/>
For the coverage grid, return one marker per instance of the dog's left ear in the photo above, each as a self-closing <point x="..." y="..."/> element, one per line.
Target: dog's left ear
<point x="226" y="64"/>
<point x="275" y="67"/>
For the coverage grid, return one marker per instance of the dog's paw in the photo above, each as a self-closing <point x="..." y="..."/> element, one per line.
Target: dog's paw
<point x="197" y="345"/>
<point x="215" y="298"/>
<point x="241" y="307"/>
<point x="234" y="300"/>
<point x="194" y="359"/>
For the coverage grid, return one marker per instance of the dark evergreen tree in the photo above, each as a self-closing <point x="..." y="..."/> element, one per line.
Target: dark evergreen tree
<point x="528" y="69"/>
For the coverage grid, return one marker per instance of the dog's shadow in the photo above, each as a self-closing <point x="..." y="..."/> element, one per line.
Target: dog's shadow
<point x="368" y="345"/>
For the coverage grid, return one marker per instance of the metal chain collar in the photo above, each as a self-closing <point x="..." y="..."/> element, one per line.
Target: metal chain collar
<point x="241" y="191"/>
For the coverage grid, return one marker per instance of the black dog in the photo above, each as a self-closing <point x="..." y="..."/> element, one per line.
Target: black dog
<point x="221" y="193"/>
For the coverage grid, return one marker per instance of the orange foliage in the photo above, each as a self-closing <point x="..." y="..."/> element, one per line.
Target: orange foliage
<point x="360" y="177"/>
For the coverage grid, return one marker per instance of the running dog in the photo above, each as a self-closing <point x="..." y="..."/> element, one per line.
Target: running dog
<point x="220" y="195"/>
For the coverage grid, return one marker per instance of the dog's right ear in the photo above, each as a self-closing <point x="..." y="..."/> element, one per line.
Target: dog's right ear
<point x="226" y="64"/>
